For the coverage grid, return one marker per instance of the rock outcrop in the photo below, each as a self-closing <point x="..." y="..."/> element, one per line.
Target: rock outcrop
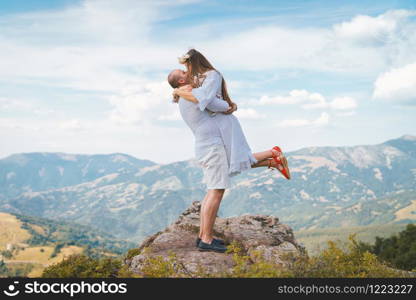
<point x="253" y="233"/>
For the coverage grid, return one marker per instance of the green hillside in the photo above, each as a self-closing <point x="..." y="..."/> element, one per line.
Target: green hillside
<point x="29" y="244"/>
<point x="316" y="239"/>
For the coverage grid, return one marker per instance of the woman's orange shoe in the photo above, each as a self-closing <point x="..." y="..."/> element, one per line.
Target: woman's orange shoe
<point x="281" y="162"/>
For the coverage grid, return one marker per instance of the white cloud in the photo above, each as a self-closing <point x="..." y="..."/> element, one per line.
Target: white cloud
<point x="345" y="114"/>
<point x="322" y="120"/>
<point x="43" y="111"/>
<point x="12" y="105"/>
<point x="398" y="84"/>
<point x="73" y="45"/>
<point x="113" y="49"/>
<point x="317" y="101"/>
<point x="7" y="124"/>
<point x="8" y="104"/>
<point x="294" y="123"/>
<point x="99" y="45"/>
<point x="248" y="113"/>
<point x="142" y="102"/>
<point x="373" y="31"/>
<point x="173" y="116"/>
<point x="308" y="100"/>
<point x="343" y="103"/>
<point x="364" y="45"/>
<point x="98" y="136"/>
<point x="73" y="125"/>
<point x="266" y="48"/>
<point x="87" y="46"/>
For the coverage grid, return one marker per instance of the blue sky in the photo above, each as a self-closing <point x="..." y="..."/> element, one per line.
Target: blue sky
<point x="90" y="76"/>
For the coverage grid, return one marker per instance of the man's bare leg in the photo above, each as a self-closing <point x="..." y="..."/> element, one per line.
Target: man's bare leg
<point x="201" y="215"/>
<point x="214" y="197"/>
<point x="209" y="213"/>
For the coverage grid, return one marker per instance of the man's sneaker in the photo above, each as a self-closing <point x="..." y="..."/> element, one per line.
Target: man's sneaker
<point x="214" y="246"/>
<point x="217" y="240"/>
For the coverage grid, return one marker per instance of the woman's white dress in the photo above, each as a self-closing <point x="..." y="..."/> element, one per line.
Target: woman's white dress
<point x="239" y="154"/>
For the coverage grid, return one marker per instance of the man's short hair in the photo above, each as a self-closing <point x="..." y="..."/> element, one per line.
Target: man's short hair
<point x="173" y="79"/>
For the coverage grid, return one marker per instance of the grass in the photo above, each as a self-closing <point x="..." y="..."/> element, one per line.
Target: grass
<point x="34" y="254"/>
<point x="11" y="231"/>
<point x="39" y="257"/>
<point x="406" y="213"/>
<point x="65" y="252"/>
<point x="29" y="260"/>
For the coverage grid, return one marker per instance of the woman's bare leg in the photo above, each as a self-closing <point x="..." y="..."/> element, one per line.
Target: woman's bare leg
<point x="265" y="163"/>
<point x="263" y="158"/>
<point x="270" y="162"/>
<point x="264" y="155"/>
<point x="214" y="197"/>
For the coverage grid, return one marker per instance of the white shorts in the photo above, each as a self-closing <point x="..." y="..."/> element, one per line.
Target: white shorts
<point x="215" y="168"/>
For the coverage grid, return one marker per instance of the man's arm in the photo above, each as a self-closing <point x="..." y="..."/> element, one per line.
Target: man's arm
<point x="185" y="93"/>
<point x="216" y="105"/>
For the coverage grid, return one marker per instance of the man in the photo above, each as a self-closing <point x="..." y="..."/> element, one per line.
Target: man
<point x="178" y="79"/>
<point x="208" y="143"/>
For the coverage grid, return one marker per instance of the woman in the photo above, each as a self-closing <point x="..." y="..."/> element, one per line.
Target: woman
<point x="226" y="156"/>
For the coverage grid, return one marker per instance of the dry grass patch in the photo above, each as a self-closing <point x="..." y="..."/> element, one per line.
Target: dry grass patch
<point x="11" y="231"/>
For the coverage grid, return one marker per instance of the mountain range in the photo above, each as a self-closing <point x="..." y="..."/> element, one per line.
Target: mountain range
<point x="132" y="198"/>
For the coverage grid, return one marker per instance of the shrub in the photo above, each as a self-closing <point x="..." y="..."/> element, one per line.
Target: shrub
<point x="76" y="265"/>
<point x="244" y="266"/>
<point x="338" y="262"/>
<point x="7" y="254"/>
<point x="15" y="270"/>
<point x="157" y="266"/>
<point x="335" y="261"/>
<point x="3" y="268"/>
<point x="82" y="266"/>
<point x="352" y="260"/>
<point x="132" y="252"/>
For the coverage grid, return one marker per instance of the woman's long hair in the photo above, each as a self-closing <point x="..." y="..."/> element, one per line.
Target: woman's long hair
<point x="197" y="64"/>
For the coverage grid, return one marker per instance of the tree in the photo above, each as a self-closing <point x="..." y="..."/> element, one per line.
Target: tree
<point x="399" y="250"/>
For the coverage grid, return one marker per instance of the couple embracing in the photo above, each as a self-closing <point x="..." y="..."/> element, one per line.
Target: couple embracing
<point x="221" y="148"/>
